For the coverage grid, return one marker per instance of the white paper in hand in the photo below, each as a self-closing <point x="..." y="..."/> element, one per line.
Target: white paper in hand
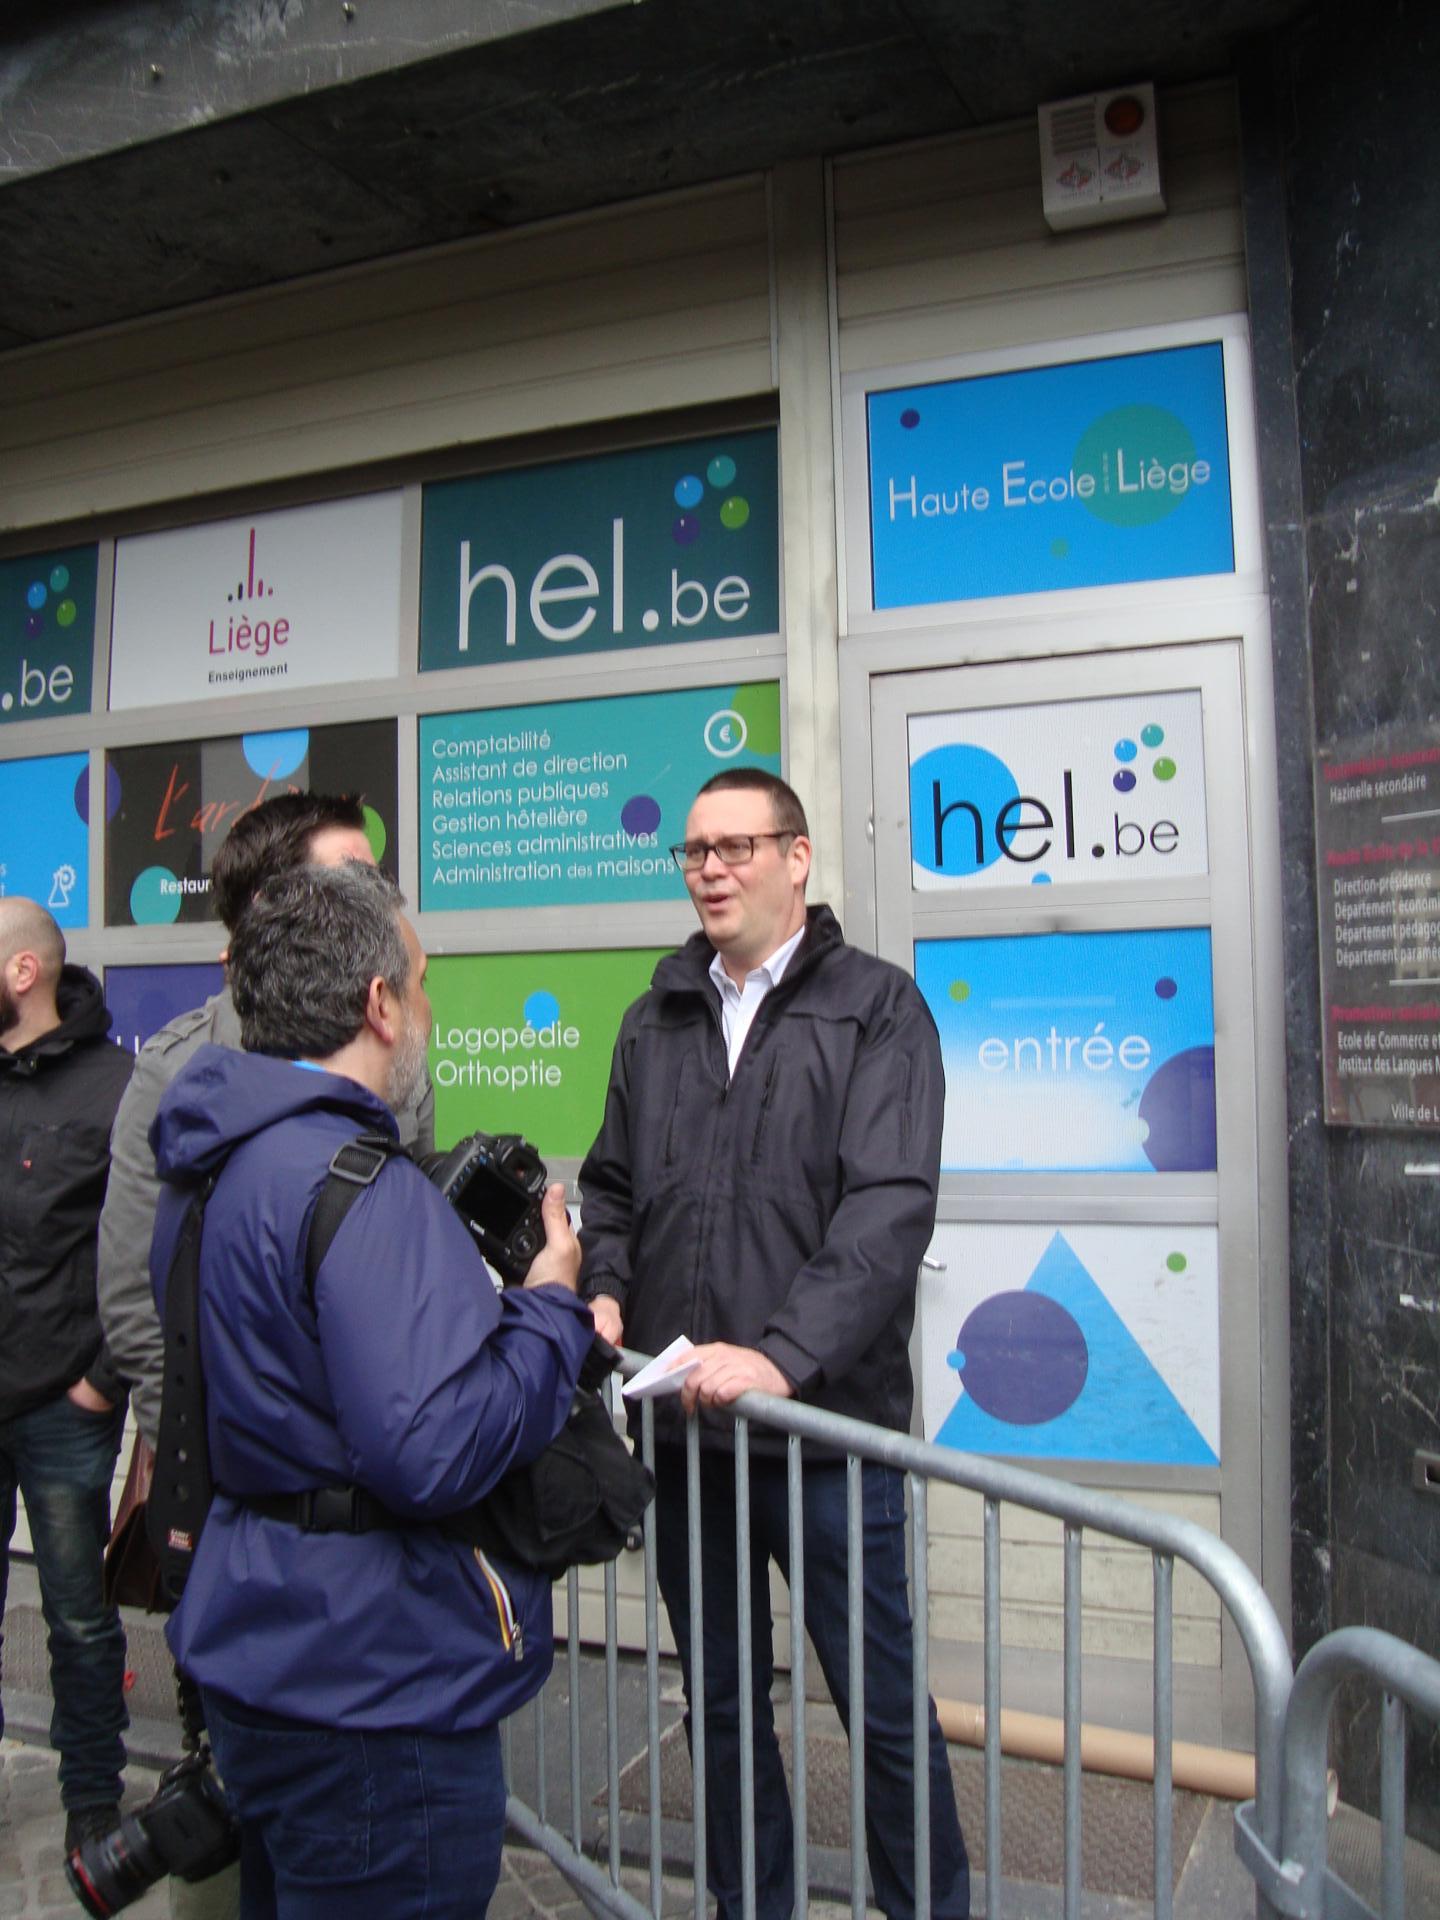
<point x="661" y="1375"/>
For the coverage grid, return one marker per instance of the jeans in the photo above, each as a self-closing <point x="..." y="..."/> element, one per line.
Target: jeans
<point x="62" y="1459"/>
<point x="889" y="1741"/>
<point x="359" y="1826"/>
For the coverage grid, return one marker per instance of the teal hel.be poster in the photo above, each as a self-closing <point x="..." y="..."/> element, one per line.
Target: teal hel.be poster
<point x="47" y="633"/>
<point x="1075" y="1052"/>
<point x="649" y="547"/>
<point x="578" y="802"/>
<point x="1086" y="475"/>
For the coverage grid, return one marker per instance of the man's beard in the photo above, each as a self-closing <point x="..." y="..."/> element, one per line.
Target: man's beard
<point x="9" y="1009"/>
<point x="407" y="1065"/>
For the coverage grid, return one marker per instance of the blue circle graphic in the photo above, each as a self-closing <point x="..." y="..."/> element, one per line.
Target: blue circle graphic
<point x="542" y="1010"/>
<point x="36" y="596"/>
<point x="910" y="418"/>
<point x="275" y="756"/>
<point x="640" y="814"/>
<point x="1178" y="1109"/>
<point x="689" y="491"/>
<point x="1023" y="1357"/>
<point x="1125" y="749"/>
<point x="957" y="794"/>
<point x="1124" y="780"/>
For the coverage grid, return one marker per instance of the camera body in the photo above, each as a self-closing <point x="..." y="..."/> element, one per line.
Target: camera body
<point x="495" y="1182"/>
<point x="185" y="1828"/>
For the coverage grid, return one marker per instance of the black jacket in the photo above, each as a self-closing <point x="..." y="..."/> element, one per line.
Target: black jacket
<point x="57" y="1101"/>
<point x="786" y="1209"/>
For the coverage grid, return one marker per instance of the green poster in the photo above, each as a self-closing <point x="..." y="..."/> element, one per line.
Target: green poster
<point x="522" y="1042"/>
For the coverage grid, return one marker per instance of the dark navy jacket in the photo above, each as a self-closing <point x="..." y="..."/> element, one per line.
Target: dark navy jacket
<point x="57" y="1100"/>
<point x="409" y="1376"/>
<point x="786" y="1208"/>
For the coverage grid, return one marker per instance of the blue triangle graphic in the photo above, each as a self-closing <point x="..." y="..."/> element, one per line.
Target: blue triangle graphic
<point x="1125" y="1411"/>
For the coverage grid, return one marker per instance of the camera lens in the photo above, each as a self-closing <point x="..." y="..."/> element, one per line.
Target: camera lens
<point x="111" y="1870"/>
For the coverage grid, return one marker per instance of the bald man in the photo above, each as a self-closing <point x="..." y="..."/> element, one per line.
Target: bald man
<point x="61" y="1402"/>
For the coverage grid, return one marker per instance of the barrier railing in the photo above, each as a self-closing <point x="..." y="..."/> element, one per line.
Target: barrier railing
<point x="1167" y="1539"/>
<point x="1295" y="1876"/>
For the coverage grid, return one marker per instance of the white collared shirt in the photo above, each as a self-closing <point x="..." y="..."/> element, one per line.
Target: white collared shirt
<point x="739" y="1005"/>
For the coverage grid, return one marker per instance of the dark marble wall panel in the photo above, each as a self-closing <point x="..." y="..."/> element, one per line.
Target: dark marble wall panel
<point x="1272" y="347"/>
<point x="1340" y="112"/>
<point x="1375" y="591"/>
<point x="1363" y="237"/>
<point x="1367" y="1585"/>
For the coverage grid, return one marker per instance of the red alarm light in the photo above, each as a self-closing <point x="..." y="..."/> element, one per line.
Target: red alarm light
<point x="1124" y="116"/>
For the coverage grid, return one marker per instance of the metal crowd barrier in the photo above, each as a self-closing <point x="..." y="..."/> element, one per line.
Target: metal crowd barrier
<point x="1296" y="1876"/>
<point x="1168" y="1540"/>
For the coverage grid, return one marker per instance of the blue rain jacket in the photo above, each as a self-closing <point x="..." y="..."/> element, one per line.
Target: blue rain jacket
<point x="409" y="1376"/>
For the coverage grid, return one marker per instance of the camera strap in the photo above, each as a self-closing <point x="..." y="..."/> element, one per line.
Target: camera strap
<point x="182" y="1491"/>
<point x="354" y="1167"/>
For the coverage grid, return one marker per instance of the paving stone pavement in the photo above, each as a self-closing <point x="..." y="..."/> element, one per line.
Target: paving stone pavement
<point x="32" y="1838"/>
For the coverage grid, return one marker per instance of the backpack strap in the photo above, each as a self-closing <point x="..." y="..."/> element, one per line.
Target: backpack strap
<point x="182" y="1490"/>
<point x="354" y="1167"/>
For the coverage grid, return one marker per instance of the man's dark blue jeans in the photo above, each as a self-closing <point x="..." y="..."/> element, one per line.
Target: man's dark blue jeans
<point x="62" y="1459"/>
<point x="889" y="1741"/>
<point x="338" y="1825"/>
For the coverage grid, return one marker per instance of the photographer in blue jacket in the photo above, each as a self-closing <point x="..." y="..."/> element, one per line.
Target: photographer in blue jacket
<point x="353" y="1679"/>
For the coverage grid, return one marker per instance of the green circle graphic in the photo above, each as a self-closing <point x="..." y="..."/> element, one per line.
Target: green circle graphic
<point x="1123" y="449"/>
<point x="375" y="833"/>
<point x="758" y="705"/>
<point x="154" y="898"/>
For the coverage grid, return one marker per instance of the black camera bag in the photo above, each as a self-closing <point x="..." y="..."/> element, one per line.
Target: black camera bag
<point x="579" y="1504"/>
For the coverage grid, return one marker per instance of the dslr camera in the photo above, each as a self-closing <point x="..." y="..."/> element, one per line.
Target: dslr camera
<point x="495" y="1182"/>
<point x="185" y="1828"/>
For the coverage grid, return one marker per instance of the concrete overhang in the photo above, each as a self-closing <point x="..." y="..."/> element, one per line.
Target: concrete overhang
<point x="154" y="153"/>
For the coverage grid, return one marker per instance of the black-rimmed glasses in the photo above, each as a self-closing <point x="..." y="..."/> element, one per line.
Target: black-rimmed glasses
<point x="733" y="849"/>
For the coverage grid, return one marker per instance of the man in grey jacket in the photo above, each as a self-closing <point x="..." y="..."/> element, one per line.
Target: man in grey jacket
<point x="764" y="1181"/>
<point x="290" y="830"/>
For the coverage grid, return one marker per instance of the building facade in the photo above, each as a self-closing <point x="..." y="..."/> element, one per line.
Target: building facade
<point x="690" y="392"/>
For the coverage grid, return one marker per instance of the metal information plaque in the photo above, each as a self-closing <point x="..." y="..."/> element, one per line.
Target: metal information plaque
<point x="1377" y="849"/>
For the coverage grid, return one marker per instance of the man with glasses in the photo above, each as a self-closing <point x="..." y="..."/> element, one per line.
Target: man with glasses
<point x="765" y="1181"/>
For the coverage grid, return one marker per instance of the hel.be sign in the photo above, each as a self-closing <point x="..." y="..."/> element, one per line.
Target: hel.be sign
<point x="1059" y="794"/>
<point x="47" y="633"/>
<point x="647" y="547"/>
<point x="1084" y="475"/>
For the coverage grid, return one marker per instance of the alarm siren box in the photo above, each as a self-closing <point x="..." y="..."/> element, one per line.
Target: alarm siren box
<point x="1100" y="158"/>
